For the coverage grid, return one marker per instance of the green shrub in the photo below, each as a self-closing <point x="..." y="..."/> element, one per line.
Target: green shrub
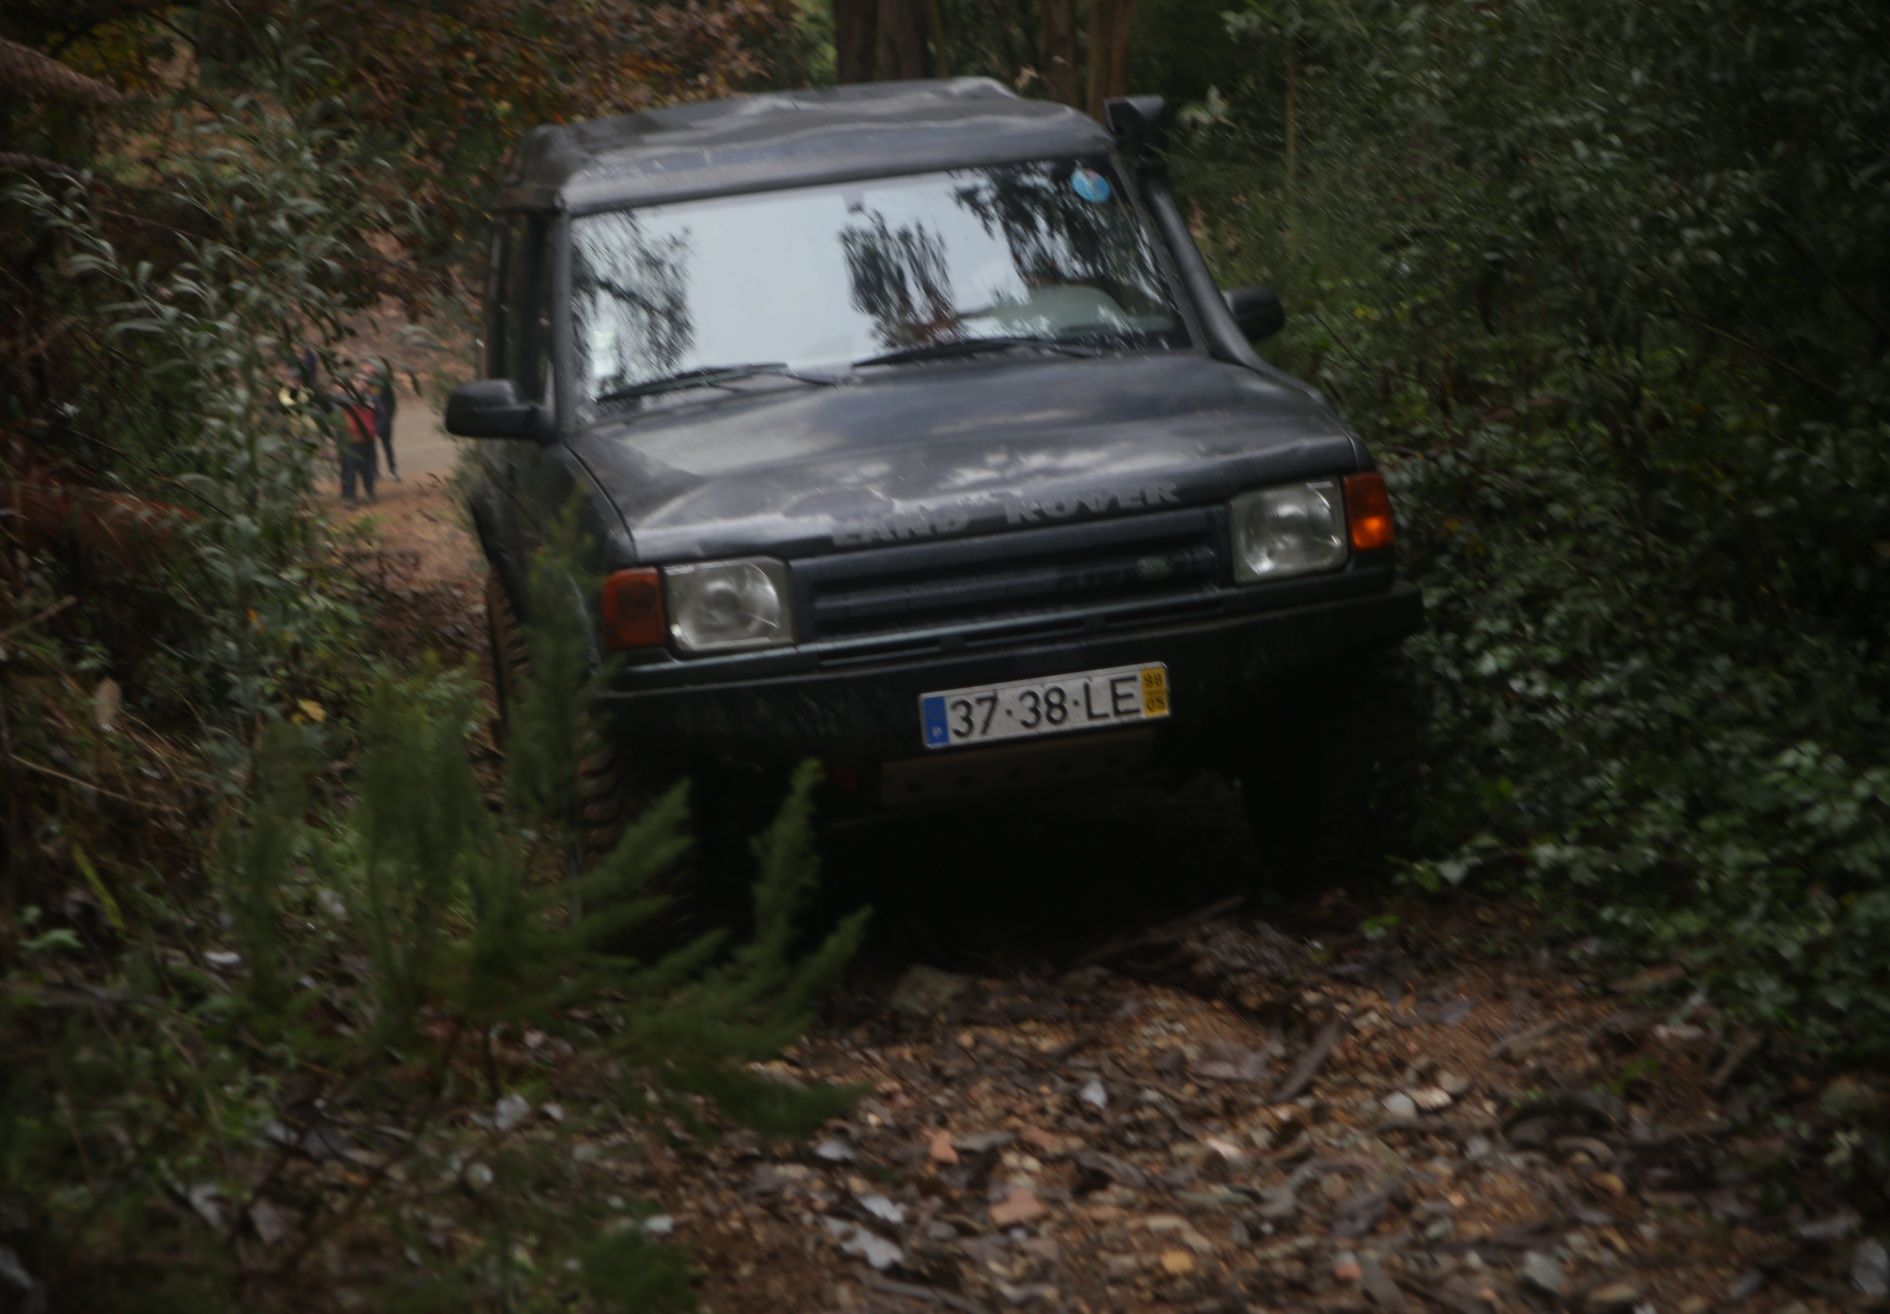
<point x="1601" y="286"/>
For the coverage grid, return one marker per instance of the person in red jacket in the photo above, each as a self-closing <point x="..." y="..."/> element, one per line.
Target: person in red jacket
<point x="358" y="427"/>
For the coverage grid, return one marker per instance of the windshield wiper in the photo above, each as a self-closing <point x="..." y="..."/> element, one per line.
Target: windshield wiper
<point x="709" y="376"/>
<point x="973" y="346"/>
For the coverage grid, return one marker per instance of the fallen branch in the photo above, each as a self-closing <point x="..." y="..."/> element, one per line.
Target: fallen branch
<point x="1744" y="1048"/>
<point x="1155" y="935"/>
<point x="913" y="1291"/>
<point x="1313" y="1059"/>
<point x="1516" y="1040"/>
<point x="86" y="784"/>
<point x="45" y="614"/>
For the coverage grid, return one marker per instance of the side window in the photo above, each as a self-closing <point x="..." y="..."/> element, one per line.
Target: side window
<point x="545" y="241"/>
<point x="493" y="356"/>
<point x="515" y="351"/>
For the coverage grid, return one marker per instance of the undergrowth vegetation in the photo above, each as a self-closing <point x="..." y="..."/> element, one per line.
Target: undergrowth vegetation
<point x="297" y="1010"/>
<point x="290" y="998"/>
<point x="1607" y="293"/>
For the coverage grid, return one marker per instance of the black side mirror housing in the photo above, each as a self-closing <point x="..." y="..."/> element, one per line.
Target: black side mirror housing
<point x="1257" y="310"/>
<point x="1136" y="122"/>
<point x="493" y="408"/>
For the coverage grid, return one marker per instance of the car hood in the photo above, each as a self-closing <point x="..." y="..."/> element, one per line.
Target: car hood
<point x="945" y="450"/>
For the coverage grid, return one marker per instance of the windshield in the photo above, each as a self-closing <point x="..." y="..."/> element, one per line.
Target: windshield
<point x="841" y="273"/>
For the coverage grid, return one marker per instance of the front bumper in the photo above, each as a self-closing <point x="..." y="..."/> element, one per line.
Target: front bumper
<point x="1219" y="671"/>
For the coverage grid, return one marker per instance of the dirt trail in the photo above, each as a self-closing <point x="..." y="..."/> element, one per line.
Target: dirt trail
<point x="1081" y="1097"/>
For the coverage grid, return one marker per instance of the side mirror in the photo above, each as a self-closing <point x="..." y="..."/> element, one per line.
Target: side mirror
<point x="492" y="408"/>
<point x="1136" y="122"/>
<point x="1256" y="309"/>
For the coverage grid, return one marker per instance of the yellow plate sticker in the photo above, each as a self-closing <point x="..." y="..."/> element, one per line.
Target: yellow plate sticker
<point x="1155" y="691"/>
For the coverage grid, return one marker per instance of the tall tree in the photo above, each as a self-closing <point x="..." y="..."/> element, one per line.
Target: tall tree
<point x="885" y="39"/>
<point x="1108" y="50"/>
<point x="855" y="39"/>
<point x="902" y="52"/>
<point x="1056" y="50"/>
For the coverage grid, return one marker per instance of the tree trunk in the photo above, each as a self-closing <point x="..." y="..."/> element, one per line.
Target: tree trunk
<point x="1056" y="50"/>
<point x="941" y="50"/>
<point x="901" y="39"/>
<point x="855" y="39"/>
<point x="1108" y="51"/>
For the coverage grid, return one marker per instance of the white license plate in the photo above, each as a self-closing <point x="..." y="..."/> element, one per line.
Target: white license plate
<point x="1084" y="700"/>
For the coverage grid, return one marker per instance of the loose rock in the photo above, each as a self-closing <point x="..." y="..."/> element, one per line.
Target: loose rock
<point x="510" y="1111"/>
<point x="924" y="992"/>
<point x="1870" y="1269"/>
<point x="1379" y="1286"/>
<point x="1835" y="1228"/>
<point x="856" y="1240"/>
<point x="1613" y="1297"/>
<point x="1020" y="1206"/>
<point x="835" y="1150"/>
<point x="882" y="1208"/>
<point x="1544" y="1274"/>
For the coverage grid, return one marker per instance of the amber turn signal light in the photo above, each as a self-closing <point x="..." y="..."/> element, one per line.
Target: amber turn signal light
<point x="1368" y="512"/>
<point x="633" y="610"/>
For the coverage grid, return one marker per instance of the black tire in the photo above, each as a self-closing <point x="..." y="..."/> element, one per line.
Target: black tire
<point x="614" y="786"/>
<point x="610" y="793"/>
<point x="505" y="644"/>
<point x="708" y="886"/>
<point x="1331" y="789"/>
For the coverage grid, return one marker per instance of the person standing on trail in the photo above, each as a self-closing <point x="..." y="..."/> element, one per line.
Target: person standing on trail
<point x="355" y="433"/>
<point x="384" y="412"/>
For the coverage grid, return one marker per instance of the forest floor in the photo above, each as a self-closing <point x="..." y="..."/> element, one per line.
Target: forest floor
<point x="1093" y="1081"/>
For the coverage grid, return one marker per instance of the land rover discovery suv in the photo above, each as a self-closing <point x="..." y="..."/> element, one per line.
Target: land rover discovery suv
<point x="909" y="432"/>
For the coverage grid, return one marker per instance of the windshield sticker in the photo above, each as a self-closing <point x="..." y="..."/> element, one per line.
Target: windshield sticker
<point x="1090" y="185"/>
<point x="603" y="353"/>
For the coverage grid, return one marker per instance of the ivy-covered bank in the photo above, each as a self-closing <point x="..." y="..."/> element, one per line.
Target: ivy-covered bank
<point x="1607" y="284"/>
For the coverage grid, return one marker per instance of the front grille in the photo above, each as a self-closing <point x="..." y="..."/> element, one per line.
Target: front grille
<point x="1036" y="577"/>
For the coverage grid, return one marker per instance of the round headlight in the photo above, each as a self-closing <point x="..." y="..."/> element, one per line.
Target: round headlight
<point x="723" y="605"/>
<point x="1291" y="530"/>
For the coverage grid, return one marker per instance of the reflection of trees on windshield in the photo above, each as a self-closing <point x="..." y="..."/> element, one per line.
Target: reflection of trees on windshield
<point x="899" y="280"/>
<point x="1057" y="237"/>
<point x="817" y="275"/>
<point x="630" y="294"/>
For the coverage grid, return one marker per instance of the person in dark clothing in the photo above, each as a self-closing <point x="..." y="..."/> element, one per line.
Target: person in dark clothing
<point x="384" y="412"/>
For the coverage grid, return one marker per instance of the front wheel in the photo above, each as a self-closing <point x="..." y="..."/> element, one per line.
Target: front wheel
<point x="1330" y="780"/>
<point x="707" y="886"/>
<point x="505" y="647"/>
<point x="616" y="781"/>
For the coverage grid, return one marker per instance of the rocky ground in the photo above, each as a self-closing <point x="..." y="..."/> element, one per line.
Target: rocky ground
<point x="1092" y="1081"/>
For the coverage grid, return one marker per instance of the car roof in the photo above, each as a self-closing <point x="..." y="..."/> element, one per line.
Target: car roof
<point x="757" y="143"/>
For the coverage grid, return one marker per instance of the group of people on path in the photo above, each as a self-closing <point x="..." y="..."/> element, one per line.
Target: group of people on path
<point x="360" y="413"/>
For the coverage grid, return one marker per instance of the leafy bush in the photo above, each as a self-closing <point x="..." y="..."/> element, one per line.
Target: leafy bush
<point x="195" y="339"/>
<point x="1601" y="285"/>
<point x="383" y="967"/>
